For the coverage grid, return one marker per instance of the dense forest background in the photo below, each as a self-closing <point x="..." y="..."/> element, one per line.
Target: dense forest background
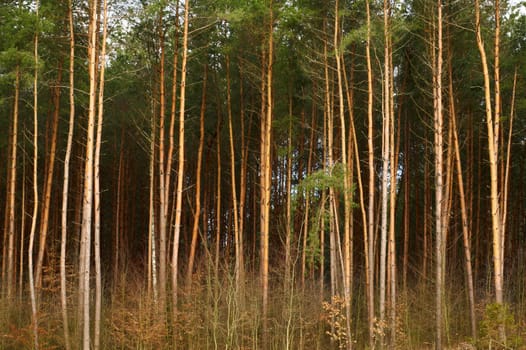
<point x="263" y="174"/>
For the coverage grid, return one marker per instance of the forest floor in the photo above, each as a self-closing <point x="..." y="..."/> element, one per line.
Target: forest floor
<point x="213" y="314"/>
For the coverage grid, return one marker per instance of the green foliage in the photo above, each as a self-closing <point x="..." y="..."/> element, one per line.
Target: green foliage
<point x="313" y="251"/>
<point x="324" y="179"/>
<point x="495" y="317"/>
<point x="315" y="183"/>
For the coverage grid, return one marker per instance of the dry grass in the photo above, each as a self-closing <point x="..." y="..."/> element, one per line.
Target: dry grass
<point x="214" y="314"/>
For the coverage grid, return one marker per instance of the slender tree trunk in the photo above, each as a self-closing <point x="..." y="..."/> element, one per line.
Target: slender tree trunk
<point x="218" y="198"/>
<point x="11" y="214"/>
<point x="166" y="171"/>
<point x="386" y="130"/>
<point x="195" y="227"/>
<point x="98" y="141"/>
<point x="243" y="180"/>
<point x="352" y="153"/>
<point x="353" y="137"/>
<point x="152" y="225"/>
<point x="288" y="210"/>
<point x="44" y="221"/>
<point x="505" y="182"/>
<point x="347" y="254"/>
<point x="266" y="171"/>
<point x="87" y="202"/>
<point x="328" y="146"/>
<point x="407" y="186"/>
<point x="306" y="218"/>
<point x="171" y="132"/>
<point x="493" y="151"/>
<point x="163" y="200"/>
<point x="463" y="210"/>
<point x="22" y="230"/>
<point x="439" y="177"/>
<point x="65" y="187"/>
<point x="34" y="302"/>
<point x="235" y="209"/>
<point x="394" y="145"/>
<point x="180" y="165"/>
<point x="372" y="176"/>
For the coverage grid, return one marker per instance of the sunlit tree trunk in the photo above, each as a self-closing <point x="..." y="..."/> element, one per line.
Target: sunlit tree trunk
<point x="386" y="131"/>
<point x="328" y="136"/>
<point x="347" y="273"/>
<point x="96" y="233"/>
<point x="463" y="210"/>
<point x="195" y="227"/>
<point x="370" y="209"/>
<point x="493" y="124"/>
<point x="361" y="195"/>
<point x="266" y="169"/>
<point x="11" y="192"/>
<point x="171" y="131"/>
<point x="352" y="152"/>
<point x="493" y="151"/>
<point x="34" y="302"/>
<point x="439" y="176"/>
<point x="218" y="199"/>
<point x="180" y="165"/>
<point x="87" y="201"/>
<point x="235" y="207"/>
<point x="65" y="186"/>
<point x="163" y="200"/>
<point x="50" y="165"/>
<point x="394" y="145"/>
<point x="505" y="182"/>
<point x="22" y="230"/>
<point x="152" y="225"/>
<point x="243" y="180"/>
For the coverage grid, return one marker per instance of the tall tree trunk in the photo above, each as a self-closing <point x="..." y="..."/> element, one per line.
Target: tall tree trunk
<point x="288" y="210"/>
<point x="439" y="177"/>
<point x="394" y="146"/>
<point x="266" y="170"/>
<point x="218" y="198"/>
<point x="407" y="186"/>
<point x="11" y="192"/>
<point x="96" y="165"/>
<point x="65" y="186"/>
<point x="163" y="200"/>
<point x="44" y="220"/>
<point x="195" y="227"/>
<point x="493" y="151"/>
<point x="463" y="210"/>
<point x="352" y="153"/>
<point x="152" y="224"/>
<point x="328" y="146"/>
<point x="243" y="178"/>
<point x="372" y="176"/>
<point x="505" y="182"/>
<point x="22" y="229"/>
<point x="386" y="131"/>
<point x="171" y="132"/>
<point x="180" y="165"/>
<point x="34" y="302"/>
<point x="306" y="217"/>
<point x="347" y="273"/>
<point x="235" y="209"/>
<point x="87" y="202"/>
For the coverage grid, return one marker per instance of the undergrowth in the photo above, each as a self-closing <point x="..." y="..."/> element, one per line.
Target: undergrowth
<point x="215" y="313"/>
